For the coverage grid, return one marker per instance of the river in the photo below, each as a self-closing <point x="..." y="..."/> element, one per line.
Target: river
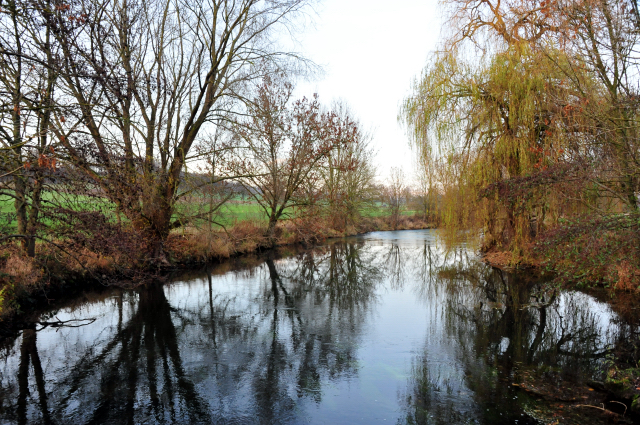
<point x="384" y="328"/>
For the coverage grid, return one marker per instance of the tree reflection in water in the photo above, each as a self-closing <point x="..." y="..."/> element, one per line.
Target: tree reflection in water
<point x="269" y="342"/>
<point x="29" y="355"/>
<point x="221" y="358"/>
<point x="500" y="326"/>
<point x="140" y="358"/>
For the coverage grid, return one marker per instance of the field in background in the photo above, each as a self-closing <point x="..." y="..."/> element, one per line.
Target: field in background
<point x="232" y="212"/>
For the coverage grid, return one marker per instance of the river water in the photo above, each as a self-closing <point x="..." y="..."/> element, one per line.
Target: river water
<point x="386" y="328"/>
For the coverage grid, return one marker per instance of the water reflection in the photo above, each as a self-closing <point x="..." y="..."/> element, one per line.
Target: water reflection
<point x="506" y="327"/>
<point x="29" y="356"/>
<point x="364" y="331"/>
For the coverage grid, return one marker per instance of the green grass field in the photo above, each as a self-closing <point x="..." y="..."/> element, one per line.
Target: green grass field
<point x="230" y="213"/>
<point x="234" y="210"/>
<point x="7" y="206"/>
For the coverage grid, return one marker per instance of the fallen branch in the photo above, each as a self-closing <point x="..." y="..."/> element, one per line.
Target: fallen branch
<point x="600" y="408"/>
<point x="625" y="406"/>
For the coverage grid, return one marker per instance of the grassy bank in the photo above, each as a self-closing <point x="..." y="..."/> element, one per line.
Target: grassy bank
<point x="28" y="283"/>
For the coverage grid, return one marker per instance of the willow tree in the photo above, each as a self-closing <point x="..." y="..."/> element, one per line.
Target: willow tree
<point x="490" y="129"/>
<point x="600" y="37"/>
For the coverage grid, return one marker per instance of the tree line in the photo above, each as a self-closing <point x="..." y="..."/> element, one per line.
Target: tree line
<point x="122" y="121"/>
<point x="526" y="121"/>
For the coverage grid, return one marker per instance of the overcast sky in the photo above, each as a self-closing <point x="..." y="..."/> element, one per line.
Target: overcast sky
<point x="370" y="51"/>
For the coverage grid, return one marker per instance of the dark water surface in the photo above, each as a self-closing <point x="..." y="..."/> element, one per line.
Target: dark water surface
<point x="381" y="329"/>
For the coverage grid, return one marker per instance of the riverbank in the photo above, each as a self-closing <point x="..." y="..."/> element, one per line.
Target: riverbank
<point x="612" y="272"/>
<point x="28" y="284"/>
<point x="508" y="261"/>
<point x="585" y="252"/>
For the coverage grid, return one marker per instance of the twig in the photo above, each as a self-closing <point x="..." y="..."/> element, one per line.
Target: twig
<point x="599" y="408"/>
<point x="625" y="406"/>
<point x="10" y="172"/>
<point x="61" y="323"/>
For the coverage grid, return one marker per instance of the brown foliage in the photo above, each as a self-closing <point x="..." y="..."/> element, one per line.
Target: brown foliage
<point x="18" y="268"/>
<point x="626" y="277"/>
<point x="19" y="274"/>
<point x="92" y="231"/>
<point x="76" y="260"/>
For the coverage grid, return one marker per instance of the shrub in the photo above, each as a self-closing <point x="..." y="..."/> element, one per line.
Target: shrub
<point x="593" y="250"/>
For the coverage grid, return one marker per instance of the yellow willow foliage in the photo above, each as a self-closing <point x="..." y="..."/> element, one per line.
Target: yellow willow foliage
<point x="495" y="121"/>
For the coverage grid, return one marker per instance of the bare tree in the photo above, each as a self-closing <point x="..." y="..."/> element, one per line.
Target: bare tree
<point x="486" y="22"/>
<point x="27" y="84"/>
<point x="427" y="196"/>
<point x="348" y="175"/>
<point x="395" y="194"/>
<point x="283" y="146"/>
<point x="144" y="82"/>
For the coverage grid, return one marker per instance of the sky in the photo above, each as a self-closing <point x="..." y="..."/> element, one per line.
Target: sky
<point x="371" y="51"/>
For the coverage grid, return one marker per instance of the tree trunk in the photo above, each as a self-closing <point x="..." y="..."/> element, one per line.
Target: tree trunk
<point x="155" y="225"/>
<point x="270" y="234"/>
<point x="156" y="254"/>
